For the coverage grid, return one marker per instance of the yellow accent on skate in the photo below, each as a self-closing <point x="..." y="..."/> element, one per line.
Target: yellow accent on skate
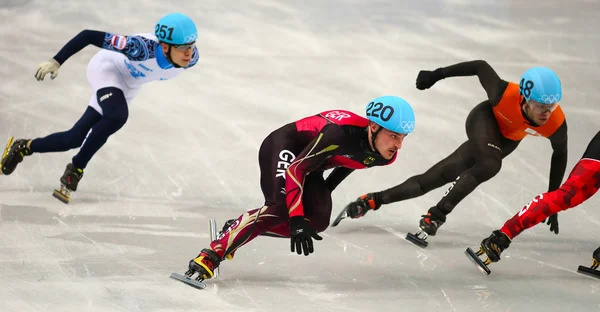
<point x="62" y="195"/>
<point x="8" y="145"/>
<point x="198" y="260"/>
<point x="595" y="263"/>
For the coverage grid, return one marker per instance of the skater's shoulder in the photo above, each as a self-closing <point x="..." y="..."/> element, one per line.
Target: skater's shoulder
<point x="344" y="118"/>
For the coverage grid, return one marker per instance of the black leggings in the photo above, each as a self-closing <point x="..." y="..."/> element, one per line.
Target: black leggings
<point x="115" y="114"/>
<point x="474" y="162"/>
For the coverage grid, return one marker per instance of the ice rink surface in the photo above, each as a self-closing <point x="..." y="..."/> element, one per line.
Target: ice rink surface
<point x="189" y="153"/>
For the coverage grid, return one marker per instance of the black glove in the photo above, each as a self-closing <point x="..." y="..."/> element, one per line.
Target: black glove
<point x="363" y="204"/>
<point x="301" y="235"/>
<point x="427" y="78"/>
<point x="553" y="222"/>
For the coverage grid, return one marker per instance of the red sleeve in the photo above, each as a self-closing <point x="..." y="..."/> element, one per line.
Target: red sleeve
<point x="326" y="144"/>
<point x="583" y="183"/>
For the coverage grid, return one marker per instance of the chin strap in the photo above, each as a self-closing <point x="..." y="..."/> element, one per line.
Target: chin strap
<point x="170" y="59"/>
<point x="368" y="146"/>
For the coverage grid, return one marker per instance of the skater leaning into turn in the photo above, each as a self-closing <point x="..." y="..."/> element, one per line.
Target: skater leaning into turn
<point x="494" y="129"/>
<point x="583" y="182"/>
<point x="116" y="73"/>
<point x="298" y="199"/>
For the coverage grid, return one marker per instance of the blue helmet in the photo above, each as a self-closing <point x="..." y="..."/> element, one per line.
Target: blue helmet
<point x="542" y="85"/>
<point x="392" y="113"/>
<point x="176" y="28"/>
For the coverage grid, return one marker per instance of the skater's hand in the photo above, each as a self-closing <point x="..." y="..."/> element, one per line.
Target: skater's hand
<point x="553" y="222"/>
<point x="363" y="204"/>
<point x="426" y="78"/>
<point x="50" y="66"/>
<point x="301" y="235"/>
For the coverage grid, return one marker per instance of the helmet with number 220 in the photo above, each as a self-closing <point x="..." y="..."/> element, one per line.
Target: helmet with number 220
<point x="176" y="28"/>
<point x="542" y="85"/>
<point x="392" y="113"/>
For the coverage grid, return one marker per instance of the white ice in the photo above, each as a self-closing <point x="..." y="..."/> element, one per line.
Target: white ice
<point x="189" y="153"/>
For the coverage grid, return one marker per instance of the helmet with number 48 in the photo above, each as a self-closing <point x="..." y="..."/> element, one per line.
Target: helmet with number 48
<point x="542" y="85"/>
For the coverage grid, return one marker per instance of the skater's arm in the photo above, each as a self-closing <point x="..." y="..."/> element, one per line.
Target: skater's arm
<point x="326" y="144"/>
<point x="82" y="40"/>
<point x="337" y="176"/>
<point x="558" y="164"/>
<point x="593" y="149"/>
<point x="493" y="85"/>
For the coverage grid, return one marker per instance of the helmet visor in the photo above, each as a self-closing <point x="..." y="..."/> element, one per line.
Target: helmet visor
<point x="542" y="108"/>
<point x="184" y="47"/>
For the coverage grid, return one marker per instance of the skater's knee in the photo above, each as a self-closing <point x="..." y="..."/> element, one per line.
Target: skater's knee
<point x="486" y="168"/>
<point x="114" y="105"/>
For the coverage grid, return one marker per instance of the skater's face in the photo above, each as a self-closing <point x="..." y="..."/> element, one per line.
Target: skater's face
<point x="538" y="112"/>
<point x="387" y="143"/>
<point x="180" y="54"/>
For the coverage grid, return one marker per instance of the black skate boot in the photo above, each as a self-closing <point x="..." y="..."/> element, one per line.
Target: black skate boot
<point x="69" y="182"/>
<point x="492" y="246"/>
<point x="593" y="270"/>
<point x="13" y="155"/>
<point x="427" y="227"/>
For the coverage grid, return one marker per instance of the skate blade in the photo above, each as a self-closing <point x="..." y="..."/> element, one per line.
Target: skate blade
<point x="341" y="216"/>
<point x="477" y="261"/>
<point x="8" y="145"/>
<point x="189" y="281"/>
<point x="421" y="242"/>
<point x="212" y="225"/>
<point x="588" y="271"/>
<point x="65" y="198"/>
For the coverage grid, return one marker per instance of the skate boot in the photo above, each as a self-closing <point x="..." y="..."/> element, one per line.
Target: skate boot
<point x="427" y="227"/>
<point x="593" y="270"/>
<point x="492" y="246"/>
<point x="205" y="265"/>
<point x="69" y="182"/>
<point x="13" y="155"/>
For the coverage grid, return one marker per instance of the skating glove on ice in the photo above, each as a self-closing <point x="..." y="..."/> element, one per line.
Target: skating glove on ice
<point x="50" y="66"/>
<point x="427" y="78"/>
<point x="301" y="235"/>
<point x="553" y="222"/>
<point x="363" y="204"/>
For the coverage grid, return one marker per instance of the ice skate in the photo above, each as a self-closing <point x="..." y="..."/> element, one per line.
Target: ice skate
<point x="204" y="264"/>
<point x="427" y="227"/>
<point x="492" y="246"/>
<point x="593" y="270"/>
<point x="69" y="182"/>
<point x="13" y="155"/>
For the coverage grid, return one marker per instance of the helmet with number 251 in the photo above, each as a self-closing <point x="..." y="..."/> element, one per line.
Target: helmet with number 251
<point x="392" y="113"/>
<point x="542" y="85"/>
<point x="176" y="29"/>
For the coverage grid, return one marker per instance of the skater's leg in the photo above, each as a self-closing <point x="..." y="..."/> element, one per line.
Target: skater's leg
<point x="317" y="206"/>
<point x="115" y="113"/>
<point x="440" y="174"/>
<point x="70" y="139"/>
<point x="488" y="147"/>
<point x="583" y="182"/>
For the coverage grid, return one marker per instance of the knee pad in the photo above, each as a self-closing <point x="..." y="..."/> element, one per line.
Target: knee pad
<point x="114" y="105"/>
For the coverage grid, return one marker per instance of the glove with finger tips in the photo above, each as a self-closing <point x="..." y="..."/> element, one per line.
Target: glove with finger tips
<point x="301" y="235"/>
<point x="49" y="67"/>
